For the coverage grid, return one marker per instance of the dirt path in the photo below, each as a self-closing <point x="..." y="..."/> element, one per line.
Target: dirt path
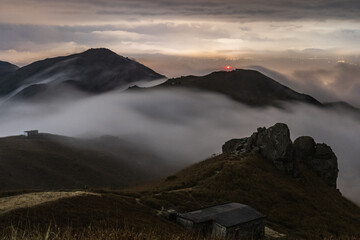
<point x="32" y="199"/>
<point x="270" y="233"/>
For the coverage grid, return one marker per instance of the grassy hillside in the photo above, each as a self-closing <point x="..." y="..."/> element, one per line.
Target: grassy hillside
<point x="305" y="207"/>
<point x="56" y="162"/>
<point x="106" y="216"/>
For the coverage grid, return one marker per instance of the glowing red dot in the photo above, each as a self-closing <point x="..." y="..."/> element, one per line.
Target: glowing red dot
<point x="228" y="67"/>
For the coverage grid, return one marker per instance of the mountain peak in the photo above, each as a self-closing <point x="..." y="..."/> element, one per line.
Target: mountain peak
<point x="96" y="70"/>
<point x="99" y="51"/>
<point x="247" y="86"/>
<point x="7" y="68"/>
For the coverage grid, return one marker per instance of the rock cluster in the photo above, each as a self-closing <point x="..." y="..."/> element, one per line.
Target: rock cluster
<point x="274" y="144"/>
<point x="236" y="146"/>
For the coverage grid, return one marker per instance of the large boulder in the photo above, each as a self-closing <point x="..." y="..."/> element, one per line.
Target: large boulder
<point x="235" y="146"/>
<point x="275" y="142"/>
<point x="304" y="148"/>
<point x="275" y="145"/>
<point x="318" y="157"/>
<point x="324" y="164"/>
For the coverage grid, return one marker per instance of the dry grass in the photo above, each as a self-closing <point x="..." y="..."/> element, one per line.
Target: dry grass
<point x="100" y="233"/>
<point x="99" y="216"/>
<point x="95" y="233"/>
<point x="300" y="208"/>
<point x="32" y="199"/>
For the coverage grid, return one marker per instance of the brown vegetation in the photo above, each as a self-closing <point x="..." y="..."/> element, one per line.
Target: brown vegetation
<point x="304" y="208"/>
<point x="52" y="162"/>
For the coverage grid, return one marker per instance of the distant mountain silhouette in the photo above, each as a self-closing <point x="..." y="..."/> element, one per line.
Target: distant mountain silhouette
<point x="252" y="88"/>
<point x="341" y="105"/>
<point x="6" y="68"/>
<point x="100" y="70"/>
<point x="92" y="71"/>
<point x="246" y="86"/>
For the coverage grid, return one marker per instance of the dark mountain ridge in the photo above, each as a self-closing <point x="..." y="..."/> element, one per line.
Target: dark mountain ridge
<point x="341" y="105"/>
<point x="246" y="86"/>
<point x="100" y="70"/>
<point x="253" y="88"/>
<point x="93" y="71"/>
<point x="6" y="68"/>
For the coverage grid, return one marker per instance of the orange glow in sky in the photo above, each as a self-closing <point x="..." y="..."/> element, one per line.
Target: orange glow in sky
<point x="228" y="67"/>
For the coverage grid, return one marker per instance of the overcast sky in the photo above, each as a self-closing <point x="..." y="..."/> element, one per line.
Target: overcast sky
<point x="30" y="28"/>
<point x="181" y="37"/>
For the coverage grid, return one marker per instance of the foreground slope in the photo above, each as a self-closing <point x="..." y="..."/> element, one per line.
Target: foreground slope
<point x="56" y="162"/>
<point x="300" y="202"/>
<point x="90" y="216"/>
<point x="299" y="208"/>
<point x="293" y="184"/>
<point x="306" y="209"/>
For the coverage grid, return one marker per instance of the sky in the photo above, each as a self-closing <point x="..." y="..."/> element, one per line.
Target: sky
<point x="30" y="29"/>
<point x="308" y="42"/>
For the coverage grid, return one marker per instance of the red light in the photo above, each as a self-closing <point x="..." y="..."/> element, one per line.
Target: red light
<point x="228" y="67"/>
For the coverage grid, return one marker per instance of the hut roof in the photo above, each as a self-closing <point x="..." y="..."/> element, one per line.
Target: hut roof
<point x="227" y="215"/>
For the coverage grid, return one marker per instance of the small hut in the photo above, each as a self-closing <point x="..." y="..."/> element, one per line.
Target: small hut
<point x="31" y="133"/>
<point x="226" y="221"/>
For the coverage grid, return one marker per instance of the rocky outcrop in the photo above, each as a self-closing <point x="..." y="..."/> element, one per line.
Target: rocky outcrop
<point x="275" y="145"/>
<point x="304" y="148"/>
<point x="324" y="164"/>
<point x="318" y="157"/>
<point x="237" y="146"/>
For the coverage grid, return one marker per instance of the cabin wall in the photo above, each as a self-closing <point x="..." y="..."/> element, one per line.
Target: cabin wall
<point x="187" y="224"/>
<point x="203" y="229"/>
<point x="250" y="230"/>
<point x="218" y="231"/>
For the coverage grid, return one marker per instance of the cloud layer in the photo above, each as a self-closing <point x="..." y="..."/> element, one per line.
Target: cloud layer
<point x="187" y="127"/>
<point x="336" y="82"/>
<point x="233" y="9"/>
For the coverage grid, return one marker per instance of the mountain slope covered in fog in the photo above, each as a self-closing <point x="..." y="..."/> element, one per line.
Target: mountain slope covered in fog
<point x="246" y="86"/>
<point x="6" y="68"/>
<point x="252" y="88"/>
<point x="56" y="162"/>
<point x="301" y="207"/>
<point x="92" y="71"/>
<point x="101" y="70"/>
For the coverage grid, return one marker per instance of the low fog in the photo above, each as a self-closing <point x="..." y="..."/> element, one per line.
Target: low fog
<point x="187" y="126"/>
<point x="335" y="82"/>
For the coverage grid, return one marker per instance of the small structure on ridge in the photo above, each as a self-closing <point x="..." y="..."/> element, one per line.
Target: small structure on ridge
<point x="31" y="133"/>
